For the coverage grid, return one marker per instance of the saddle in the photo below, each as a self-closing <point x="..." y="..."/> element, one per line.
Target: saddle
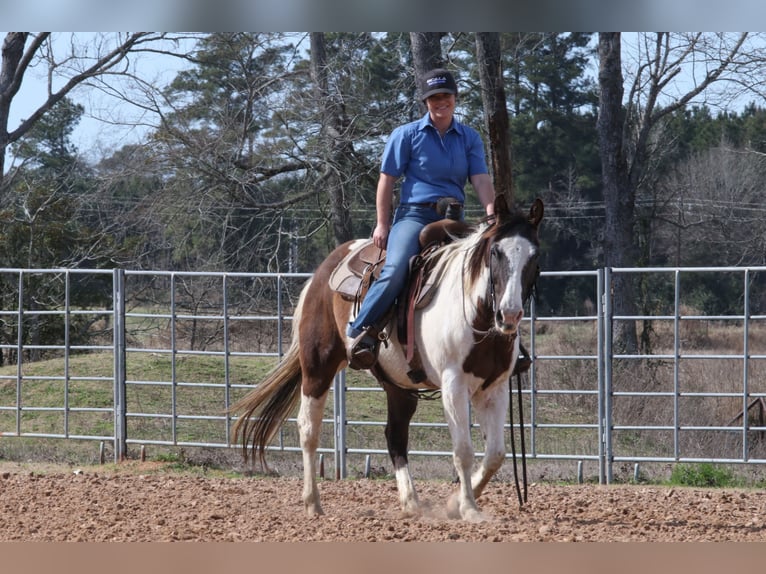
<point x="356" y="272"/>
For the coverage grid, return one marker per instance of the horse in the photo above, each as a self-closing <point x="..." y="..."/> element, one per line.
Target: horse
<point x="467" y="341"/>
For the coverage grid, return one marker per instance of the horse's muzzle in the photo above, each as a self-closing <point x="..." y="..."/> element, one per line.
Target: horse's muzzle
<point x="508" y="322"/>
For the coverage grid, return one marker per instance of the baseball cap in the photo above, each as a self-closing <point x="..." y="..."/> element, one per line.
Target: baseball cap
<point x="438" y="81"/>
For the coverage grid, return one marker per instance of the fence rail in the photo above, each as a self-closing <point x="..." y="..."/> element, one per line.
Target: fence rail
<point x="694" y="393"/>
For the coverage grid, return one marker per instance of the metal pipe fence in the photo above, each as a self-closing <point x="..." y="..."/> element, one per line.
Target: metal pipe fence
<point x="135" y="358"/>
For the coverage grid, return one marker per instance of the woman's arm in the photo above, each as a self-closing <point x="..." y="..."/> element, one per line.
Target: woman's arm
<point x="383" y="198"/>
<point x="482" y="183"/>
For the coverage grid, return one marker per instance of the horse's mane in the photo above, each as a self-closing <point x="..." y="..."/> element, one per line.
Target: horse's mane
<point x="475" y="246"/>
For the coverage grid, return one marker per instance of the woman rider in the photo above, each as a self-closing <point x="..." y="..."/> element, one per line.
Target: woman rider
<point x="437" y="155"/>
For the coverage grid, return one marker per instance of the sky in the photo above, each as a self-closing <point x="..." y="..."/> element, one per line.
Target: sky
<point x="95" y="132"/>
<point x="392" y="15"/>
<point x="346" y="15"/>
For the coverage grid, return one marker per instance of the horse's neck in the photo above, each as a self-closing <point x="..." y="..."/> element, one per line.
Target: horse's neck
<point x="456" y="294"/>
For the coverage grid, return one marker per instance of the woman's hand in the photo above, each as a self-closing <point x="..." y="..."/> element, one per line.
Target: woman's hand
<point x="380" y="235"/>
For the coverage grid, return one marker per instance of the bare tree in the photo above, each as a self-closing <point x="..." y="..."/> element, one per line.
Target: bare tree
<point x="710" y="209"/>
<point x="78" y="66"/>
<point x="619" y="196"/>
<point x="667" y="72"/>
<point x="495" y="111"/>
<point x="275" y="161"/>
<point x="338" y="148"/>
<point x="426" y="54"/>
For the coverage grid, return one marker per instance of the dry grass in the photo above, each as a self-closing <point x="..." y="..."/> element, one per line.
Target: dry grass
<point x="565" y="403"/>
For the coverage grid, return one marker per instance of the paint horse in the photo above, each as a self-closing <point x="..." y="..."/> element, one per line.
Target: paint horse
<point x="467" y="341"/>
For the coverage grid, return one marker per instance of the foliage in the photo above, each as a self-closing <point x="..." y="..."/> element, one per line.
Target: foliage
<point x="704" y="474"/>
<point x="239" y="172"/>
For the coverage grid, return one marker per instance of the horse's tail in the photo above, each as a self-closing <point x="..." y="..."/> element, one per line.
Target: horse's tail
<point x="262" y="411"/>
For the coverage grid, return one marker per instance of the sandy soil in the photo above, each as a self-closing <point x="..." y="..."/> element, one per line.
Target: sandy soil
<point x="141" y="502"/>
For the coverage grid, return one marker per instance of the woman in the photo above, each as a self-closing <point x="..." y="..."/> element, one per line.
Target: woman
<point x="437" y="155"/>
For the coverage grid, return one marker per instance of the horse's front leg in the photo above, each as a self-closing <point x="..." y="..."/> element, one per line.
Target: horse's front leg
<point x="455" y="398"/>
<point x="309" y="426"/>
<point x="401" y="407"/>
<point x="491" y="408"/>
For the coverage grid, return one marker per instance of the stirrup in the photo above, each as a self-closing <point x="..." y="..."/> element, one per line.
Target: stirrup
<point x="362" y="352"/>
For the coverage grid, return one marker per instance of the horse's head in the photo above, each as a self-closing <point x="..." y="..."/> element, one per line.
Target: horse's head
<point x="510" y="255"/>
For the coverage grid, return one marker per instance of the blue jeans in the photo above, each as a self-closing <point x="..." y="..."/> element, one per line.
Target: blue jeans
<point x="403" y="244"/>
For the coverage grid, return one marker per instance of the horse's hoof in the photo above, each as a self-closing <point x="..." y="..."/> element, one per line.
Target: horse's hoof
<point x="474" y="515"/>
<point x="453" y="507"/>
<point x="314" y="510"/>
<point x="410" y="510"/>
<point x="468" y="513"/>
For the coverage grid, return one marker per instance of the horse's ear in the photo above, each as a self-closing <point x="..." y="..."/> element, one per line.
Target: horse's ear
<point x="536" y="212"/>
<point x="502" y="210"/>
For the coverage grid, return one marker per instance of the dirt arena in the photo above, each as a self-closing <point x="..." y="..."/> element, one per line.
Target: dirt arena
<point x="140" y="502"/>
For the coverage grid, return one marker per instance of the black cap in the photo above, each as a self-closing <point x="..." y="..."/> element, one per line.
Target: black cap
<point x="438" y="81"/>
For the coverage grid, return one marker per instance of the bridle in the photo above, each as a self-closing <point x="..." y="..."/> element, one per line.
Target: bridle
<point x="529" y="290"/>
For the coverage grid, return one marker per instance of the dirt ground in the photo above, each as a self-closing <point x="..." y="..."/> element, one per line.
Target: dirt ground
<point x="142" y="502"/>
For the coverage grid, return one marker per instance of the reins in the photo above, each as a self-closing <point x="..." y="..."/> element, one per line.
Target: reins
<point x="523" y="499"/>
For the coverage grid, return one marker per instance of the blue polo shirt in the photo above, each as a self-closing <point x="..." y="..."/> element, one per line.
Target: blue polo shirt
<point x="433" y="166"/>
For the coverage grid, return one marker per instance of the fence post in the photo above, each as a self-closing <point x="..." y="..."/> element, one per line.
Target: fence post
<point x="606" y="391"/>
<point x="120" y="419"/>
<point x="339" y="424"/>
<point x="603" y="357"/>
<point x="19" y="350"/>
<point x="746" y="367"/>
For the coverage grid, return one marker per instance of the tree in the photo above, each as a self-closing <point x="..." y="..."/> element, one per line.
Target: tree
<point x="339" y="150"/>
<point x="44" y="218"/>
<point x="426" y="54"/>
<point x="619" y="196"/>
<point x="552" y="103"/>
<point x="495" y="112"/>
<point x="73" y="69"/>
<point x="633" y="141"/>
<point x="269" y="152"/>
<point x="46" y="222"/>
<point x="221" y="152"/>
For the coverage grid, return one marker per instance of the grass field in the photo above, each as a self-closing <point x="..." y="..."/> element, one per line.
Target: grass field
<point x="181" y="401"/>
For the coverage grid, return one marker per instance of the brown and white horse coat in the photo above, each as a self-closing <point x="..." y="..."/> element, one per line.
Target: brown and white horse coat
<point x="467" y="342"/>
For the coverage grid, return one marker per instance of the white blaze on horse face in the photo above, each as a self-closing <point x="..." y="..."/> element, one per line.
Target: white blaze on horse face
<point x="513" y="253"/>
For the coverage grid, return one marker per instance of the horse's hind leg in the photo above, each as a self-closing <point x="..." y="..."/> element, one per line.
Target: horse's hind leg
<point x="401" y="406"/>
<point x="309" y="427"/>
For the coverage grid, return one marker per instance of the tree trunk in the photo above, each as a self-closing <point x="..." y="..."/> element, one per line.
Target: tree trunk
<point x="495" y="111"/>
<point x="426" y="54"/>
<point x="619" y="195"/>
<point x="336" y="147"/>
<point x="13" y="50"/>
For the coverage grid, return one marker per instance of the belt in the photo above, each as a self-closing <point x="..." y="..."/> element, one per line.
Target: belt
<point x="432" y="204"/>
<point x="445" y="207"/>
